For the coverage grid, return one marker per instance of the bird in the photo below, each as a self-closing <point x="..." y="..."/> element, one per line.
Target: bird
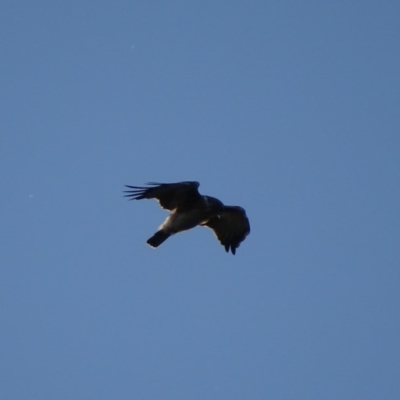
<point x="190" y="209"/>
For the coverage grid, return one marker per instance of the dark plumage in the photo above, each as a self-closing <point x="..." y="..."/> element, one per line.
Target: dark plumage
<point x="189" y="209"/>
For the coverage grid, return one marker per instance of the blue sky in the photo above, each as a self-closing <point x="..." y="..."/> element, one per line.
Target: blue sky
<point x="289" y="109"/>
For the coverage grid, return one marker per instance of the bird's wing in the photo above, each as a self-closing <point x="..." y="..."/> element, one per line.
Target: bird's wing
<point x="231" y="227"/>
<point x="170" y="195"/>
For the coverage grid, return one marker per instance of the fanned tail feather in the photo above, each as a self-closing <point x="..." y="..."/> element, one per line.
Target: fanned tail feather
<point x="158" y="238"/>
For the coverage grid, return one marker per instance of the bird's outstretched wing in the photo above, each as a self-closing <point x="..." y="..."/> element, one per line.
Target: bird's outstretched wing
<point x="171" y="196"/>
<point x="231" y="227"/>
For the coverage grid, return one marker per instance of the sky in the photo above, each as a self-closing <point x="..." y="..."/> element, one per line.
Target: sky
<point x="289" y="109"/>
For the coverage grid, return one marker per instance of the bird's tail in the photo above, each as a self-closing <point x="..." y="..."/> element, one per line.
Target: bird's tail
<point x="158" y="238"/>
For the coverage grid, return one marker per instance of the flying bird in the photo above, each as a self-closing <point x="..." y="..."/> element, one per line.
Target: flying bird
<point x="189" y="209"/>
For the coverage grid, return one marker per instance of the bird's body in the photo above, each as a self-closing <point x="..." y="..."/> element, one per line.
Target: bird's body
<point x="198" y="213"/>
<point x="190" y="209"/>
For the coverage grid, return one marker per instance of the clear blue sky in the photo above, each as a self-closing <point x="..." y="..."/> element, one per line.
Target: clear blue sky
<point x="290" y="109"/>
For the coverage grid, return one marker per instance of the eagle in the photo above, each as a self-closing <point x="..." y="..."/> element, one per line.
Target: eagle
<point x="189" y="209"/>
